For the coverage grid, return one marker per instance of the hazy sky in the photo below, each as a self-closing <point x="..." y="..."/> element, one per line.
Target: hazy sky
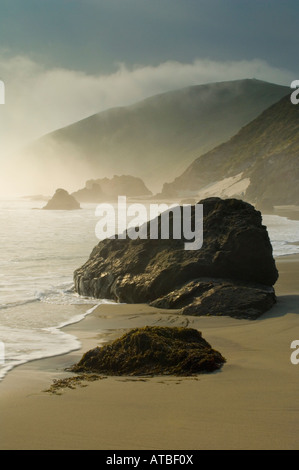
<point x="63" y="60"/>
<point x="94" y="35"/>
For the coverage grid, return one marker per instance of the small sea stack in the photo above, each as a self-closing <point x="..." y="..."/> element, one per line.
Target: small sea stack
<point x="62" y="200"/>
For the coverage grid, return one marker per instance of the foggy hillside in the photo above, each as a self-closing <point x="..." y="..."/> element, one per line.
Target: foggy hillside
<point x="155" y="139"/>
<point x="264" y="155"/>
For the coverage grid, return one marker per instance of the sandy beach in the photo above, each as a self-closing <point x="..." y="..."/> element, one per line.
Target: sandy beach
<point x="252" y="403"/>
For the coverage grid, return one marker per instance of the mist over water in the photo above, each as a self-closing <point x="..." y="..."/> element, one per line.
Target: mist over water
<point x="39" y="250"/>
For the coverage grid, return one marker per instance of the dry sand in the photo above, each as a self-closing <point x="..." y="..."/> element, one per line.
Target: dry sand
<point x="252" y="403"/>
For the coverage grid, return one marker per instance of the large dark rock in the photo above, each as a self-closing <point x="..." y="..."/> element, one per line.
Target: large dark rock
<point x="62" y="200"/>
<point x="236" y="256"/>
<point x="154" y="351"/>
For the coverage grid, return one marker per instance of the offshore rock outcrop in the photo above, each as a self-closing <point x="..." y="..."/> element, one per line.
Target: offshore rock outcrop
<point x="232" y="274"/>
<point x="108" y="189"/>
<point x="62" y="200"/>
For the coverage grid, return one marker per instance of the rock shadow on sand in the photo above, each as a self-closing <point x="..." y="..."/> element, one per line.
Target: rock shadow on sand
<point x="285" y="304"/>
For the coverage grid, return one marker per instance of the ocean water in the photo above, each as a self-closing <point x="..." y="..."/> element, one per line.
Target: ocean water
<point x="39" y="251"/>
<point x="283" y="233"/>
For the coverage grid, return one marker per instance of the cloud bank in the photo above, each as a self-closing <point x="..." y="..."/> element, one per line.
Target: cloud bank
<point x="40" y="100"/>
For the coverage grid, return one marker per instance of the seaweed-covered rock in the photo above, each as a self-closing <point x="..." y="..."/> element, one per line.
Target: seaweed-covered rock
<point x="236" y="249"/>
<point x="153" y="351"/>
<point x="62" y="200"/>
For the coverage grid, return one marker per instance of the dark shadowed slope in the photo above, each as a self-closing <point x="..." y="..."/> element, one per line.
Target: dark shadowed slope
<point x="265" y="153"/>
